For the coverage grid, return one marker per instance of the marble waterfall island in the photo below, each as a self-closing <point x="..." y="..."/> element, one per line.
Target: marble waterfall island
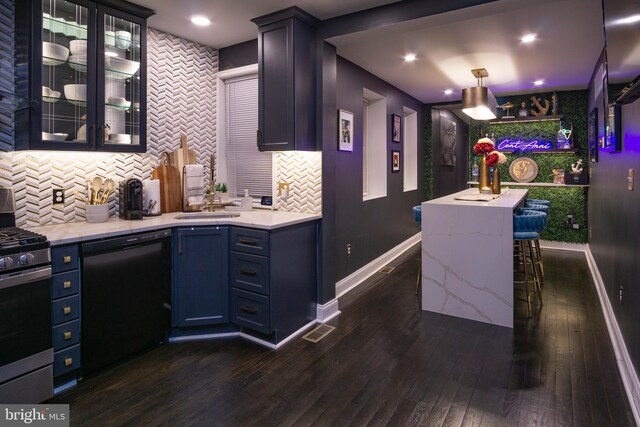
<point x="467" y="256"/>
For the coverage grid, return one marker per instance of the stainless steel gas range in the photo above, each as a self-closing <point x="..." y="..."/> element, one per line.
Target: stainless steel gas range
<point x="26" y="353"/>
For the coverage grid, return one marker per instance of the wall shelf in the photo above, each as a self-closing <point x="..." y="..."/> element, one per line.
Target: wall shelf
<point x="526" y="119"/>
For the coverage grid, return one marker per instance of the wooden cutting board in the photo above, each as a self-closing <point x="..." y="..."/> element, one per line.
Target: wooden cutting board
<point x="182" y="156"/>
<point x="170" y="192"/>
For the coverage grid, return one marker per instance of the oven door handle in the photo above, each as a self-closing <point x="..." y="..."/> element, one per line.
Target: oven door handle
<point x="24" y="277"/>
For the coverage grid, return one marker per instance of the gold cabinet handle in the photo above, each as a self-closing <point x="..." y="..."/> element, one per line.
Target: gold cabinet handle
<point x="66" y="310"/>
<point x="68" y="361"/>
<point x="66" y="284"/>
<point x="67" y="259"/>
<point x="67" y="335"/>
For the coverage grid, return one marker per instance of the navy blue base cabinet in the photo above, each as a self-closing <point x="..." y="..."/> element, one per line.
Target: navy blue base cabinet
<point x="200" y="276"/>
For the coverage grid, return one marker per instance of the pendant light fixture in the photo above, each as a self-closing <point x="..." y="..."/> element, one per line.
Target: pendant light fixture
<point x="478" y="102"/>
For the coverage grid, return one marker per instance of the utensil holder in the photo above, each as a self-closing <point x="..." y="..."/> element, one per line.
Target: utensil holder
<point x="97" y="213"/>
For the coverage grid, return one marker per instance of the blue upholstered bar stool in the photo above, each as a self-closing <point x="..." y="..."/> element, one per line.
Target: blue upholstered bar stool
<point x="417" y="215"/>
<point x="527" y="225"/>
<point x="543" y="206"/>
<point x="538" y="202"/>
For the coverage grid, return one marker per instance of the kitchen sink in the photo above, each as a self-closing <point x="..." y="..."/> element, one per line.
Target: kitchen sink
<point x="203" y="215"/>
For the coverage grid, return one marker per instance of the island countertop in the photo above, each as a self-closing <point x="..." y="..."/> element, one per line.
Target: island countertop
<point x="467" y="256"/>
<point x="74" y="232"/>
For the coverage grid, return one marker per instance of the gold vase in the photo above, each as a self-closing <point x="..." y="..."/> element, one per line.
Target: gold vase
<point x="484" y="185"/>
<point x="495" y="184"/>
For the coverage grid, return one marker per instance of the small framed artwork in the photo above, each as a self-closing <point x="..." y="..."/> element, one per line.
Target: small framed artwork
<point x="345" y="130"/>
<point x="395" y="161"/>
<point x="396" y="124"/>
<point x="592" y="134"/>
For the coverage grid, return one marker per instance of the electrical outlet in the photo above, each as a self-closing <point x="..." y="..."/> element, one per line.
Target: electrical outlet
<point x="348" y="249"/>
<point x="575" y="226"/>
<point x="569" y="219"/>
<point x="630" y="180"/>
<point x="58" y="196"/>
<point x="620" y="291"/>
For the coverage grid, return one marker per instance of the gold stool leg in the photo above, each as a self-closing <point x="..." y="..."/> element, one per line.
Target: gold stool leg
<point x="539" y="260"/>
<point x="526" y="276"/>
<point x="536" y="272"/>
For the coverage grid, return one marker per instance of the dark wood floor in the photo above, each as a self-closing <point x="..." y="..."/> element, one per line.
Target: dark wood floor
<point x="387" y="363"/>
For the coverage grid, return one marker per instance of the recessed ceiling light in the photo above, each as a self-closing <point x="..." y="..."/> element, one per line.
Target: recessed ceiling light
<point x="448" y="91"/>
<point x="200" y="20"/>
<point x="538" y="82"/>
<point x="629" y="20"/>
<point x="528" y="38"/>
<point x="410" y="57"/>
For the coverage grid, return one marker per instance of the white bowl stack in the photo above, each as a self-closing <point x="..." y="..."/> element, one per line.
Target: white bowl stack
<point x="120" y="138"/>
<point x="54" y="54"/>
<point x="76" y="94"/>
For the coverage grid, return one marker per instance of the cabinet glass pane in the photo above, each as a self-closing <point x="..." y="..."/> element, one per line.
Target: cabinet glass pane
<point x="64" y="71"/>
<point x="122" y="81"/>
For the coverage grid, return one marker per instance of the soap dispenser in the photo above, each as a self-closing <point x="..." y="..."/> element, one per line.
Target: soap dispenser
<point x="246" y="201"/>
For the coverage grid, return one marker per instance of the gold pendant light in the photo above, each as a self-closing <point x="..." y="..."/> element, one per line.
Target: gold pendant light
<point x="478" y="102"/>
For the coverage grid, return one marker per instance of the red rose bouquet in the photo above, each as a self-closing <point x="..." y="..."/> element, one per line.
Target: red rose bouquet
<point x="483" y="146"/>
<point x="494" y="158"/>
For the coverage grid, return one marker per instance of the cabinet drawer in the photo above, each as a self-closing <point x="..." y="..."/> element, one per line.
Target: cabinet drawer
<point x="66" y="360"/>
<point x="64" y="258"/>
<point x="65" y="284"/>
<point x="65" y="309"/>
<point x="250" y="272"/>
<point x="66" y="335"/>
<point x="250" y="241"/>
<point x="250" y="310"/>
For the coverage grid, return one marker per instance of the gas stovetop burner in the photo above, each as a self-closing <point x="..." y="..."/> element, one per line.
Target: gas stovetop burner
<point x="19" y="239"/>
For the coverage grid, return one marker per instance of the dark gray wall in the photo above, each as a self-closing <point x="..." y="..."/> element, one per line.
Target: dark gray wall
<point x="238" y="55"/>
<point x="614" y="220"/>
<point x="375" y="226"/>
<point x="449" y="179"/>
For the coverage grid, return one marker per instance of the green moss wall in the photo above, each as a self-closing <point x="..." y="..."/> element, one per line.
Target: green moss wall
<point x="572" y="105"/>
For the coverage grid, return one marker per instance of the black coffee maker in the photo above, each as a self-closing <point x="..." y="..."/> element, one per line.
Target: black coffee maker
<point x="130" y="199"/>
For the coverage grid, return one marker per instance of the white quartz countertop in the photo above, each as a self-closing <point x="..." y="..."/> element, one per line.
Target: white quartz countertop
<point x="508" y="199"/>
<point x="74" y="232"/>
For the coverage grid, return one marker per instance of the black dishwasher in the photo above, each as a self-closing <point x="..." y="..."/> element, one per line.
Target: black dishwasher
<point x="126" y="296"/>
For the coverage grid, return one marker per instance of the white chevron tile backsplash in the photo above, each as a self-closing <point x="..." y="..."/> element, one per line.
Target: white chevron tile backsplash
<point x="181" y="100"/>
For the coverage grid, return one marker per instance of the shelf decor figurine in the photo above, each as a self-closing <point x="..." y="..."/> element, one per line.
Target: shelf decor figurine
<point x="483" y="147"/>
<point x="542" y="111"/>
<point x="523" y="112"/>
<point x="506" y="107"/>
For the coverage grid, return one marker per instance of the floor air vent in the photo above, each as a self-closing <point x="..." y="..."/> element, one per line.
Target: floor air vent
<point x="318" y="333"/>
<point x="386" y="269"/>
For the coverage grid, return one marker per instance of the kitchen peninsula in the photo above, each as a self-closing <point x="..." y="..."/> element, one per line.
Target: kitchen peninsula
<point x="467" y="256"/>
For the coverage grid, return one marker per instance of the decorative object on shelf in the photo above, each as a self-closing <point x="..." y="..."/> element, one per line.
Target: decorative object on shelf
<point x="493" y="159"/>
<point x="576" y="167"/>
<point x="395" y="161"/>
<point x="542" y="111"/>
<point x="523" y="112"/>
<point x="396" y="126"/>
<point x="558" y="176"/>
<point x="523" y="169"/>
<point x="506" y="107"/>
<point x="554" y="104"/>
<point x="345" y="130"/>
<point x="447" y="142"/>
<point x="483" y="147"/>
<point x="567" y="138"/>
<point x="478" y="102"/>
<point x="592" y="134"/>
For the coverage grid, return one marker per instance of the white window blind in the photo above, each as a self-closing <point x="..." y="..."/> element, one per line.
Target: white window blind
<point x="246" y="166"/>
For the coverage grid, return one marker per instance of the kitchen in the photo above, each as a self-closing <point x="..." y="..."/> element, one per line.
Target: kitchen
<point x="71" y="170"/>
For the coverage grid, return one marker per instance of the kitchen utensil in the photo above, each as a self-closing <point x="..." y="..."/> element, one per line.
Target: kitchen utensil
<point x="108" y="186"/>
<point x="96" y="186"/>
<point x="170" y="196"/>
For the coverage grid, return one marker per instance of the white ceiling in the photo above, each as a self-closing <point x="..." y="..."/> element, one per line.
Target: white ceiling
<point x="448" y="46"/>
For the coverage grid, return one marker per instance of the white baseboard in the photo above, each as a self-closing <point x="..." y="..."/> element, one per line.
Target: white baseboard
<point x="356" y="278"/>
<point x="625" y="365"/>
<point x="563" y="246"/>
<point x="327" y="311"/>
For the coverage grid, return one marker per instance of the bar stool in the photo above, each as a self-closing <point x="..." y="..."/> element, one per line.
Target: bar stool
<point x="536" y="243"/>
<point x="527" y="225"/>
<point x="417" y="215"/>
<point x="538" y="202"/>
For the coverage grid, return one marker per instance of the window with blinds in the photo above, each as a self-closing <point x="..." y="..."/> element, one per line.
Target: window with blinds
<point x="247" y="168"/>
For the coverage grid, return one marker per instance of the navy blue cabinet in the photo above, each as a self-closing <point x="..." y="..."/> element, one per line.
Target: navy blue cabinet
<point x="200" y="276"/>
<point x="286" y="61"/>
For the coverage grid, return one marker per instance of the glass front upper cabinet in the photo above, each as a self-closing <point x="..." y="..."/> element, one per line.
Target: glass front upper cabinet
<point x="92" y="79"/>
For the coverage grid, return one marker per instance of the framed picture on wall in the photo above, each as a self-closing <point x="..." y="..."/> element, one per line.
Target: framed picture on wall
<point x="396" y="127"/>
<point x="345" y="130"/>
<point x="592" y="134"/>
<point x="395" y="161"/>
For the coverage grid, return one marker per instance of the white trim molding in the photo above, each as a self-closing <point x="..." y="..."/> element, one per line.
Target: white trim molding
<point x="327" y="311"/>
<point x="625" y="365"/>
<point x="356" y="278"/>
<point x="563" y="246"/>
